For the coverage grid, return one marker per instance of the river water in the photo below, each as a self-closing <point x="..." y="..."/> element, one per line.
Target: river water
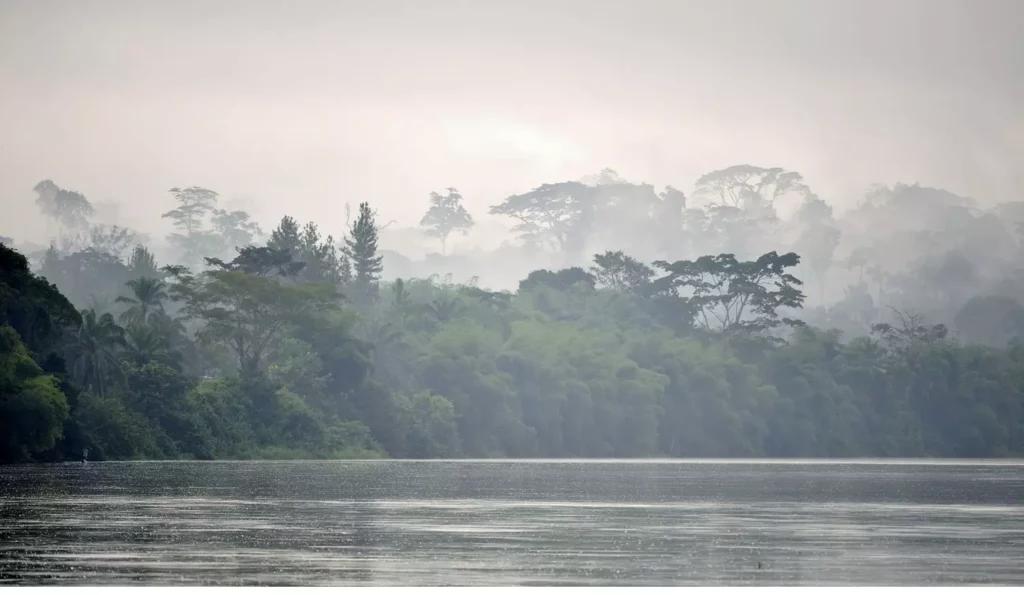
<point x="513" y="523"/>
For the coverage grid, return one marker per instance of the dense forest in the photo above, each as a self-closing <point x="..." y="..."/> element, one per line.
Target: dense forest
<point x="743" y="319"/>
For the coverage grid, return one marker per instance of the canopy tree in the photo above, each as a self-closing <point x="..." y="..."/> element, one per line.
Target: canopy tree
<point x="749" y="186"/>
<point x="446" y="216"/>
<point x="551" y="214"/>
<point x="621" y="272"/>
<point x="727" y="295"/>
<point x="248" y="312"/>
<point x="194" y="204"/>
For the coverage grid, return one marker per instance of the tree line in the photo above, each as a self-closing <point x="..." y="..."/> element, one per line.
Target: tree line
<point x="291" y="344"/>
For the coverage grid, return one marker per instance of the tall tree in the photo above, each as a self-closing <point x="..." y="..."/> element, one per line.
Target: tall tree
<point x="819" y="238"/>
<point x="361" y="249"/>
<point x="445" y="216"/>
<point x="194" y="204"/>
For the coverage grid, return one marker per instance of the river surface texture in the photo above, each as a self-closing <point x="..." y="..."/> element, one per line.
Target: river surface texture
<point x="513" y="523"/>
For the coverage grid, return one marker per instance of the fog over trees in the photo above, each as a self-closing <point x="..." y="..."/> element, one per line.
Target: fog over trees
<point x="584" y="228"/>
<point x="738" y="314"/>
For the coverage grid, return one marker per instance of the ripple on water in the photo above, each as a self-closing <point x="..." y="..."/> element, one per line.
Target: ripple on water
<point x="520" y="522"/>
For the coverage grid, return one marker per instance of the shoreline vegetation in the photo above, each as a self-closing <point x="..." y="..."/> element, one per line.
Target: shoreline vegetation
<point x="701" y="340"/>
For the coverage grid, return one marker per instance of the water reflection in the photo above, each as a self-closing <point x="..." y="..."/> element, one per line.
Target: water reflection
<point x="498" y="523"/>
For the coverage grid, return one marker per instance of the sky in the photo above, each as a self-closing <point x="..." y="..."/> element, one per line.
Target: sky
<point x="299" y="107"/>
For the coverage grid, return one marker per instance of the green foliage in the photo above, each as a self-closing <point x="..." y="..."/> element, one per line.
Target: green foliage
<point x="248" y="312"/>
<point x="563" y="280"/>
<point x="114" y="431"/>
<point x="697" y="356"/>
<point x="90" y="351"/>
<point x="31" y="305"/>
<point x="434" y="432"/>
<point x="32" y="408"/>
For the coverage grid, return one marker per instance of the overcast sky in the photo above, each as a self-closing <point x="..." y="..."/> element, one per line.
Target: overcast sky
<point x="300" y="106"/>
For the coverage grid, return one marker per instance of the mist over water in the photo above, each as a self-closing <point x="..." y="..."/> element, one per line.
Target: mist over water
<point x="586" y="230"/>
<point x="513" y="523"/>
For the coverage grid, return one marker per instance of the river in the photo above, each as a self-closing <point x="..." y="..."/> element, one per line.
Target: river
<point x="513" y="523"/>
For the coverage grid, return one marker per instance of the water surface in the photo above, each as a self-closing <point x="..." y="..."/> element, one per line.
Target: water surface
<point x="513" y="523"/>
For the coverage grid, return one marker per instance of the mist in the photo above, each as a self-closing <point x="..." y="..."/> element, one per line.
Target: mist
<point x="465" y="228"/>
<point x="298" y="109"/>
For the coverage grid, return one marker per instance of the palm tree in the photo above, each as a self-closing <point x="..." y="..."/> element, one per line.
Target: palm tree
<point x="172" y="330"/>
<point x="148" y="343"/>
<point x="445" y="308"/>
<point x="148" y="297"/>
<point x="90" y="350"/>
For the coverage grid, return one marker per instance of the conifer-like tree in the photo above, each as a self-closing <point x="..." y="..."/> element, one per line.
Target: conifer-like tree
<point x="361" y="250"/>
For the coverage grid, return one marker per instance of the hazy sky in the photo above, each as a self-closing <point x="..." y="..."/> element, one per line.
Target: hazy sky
<point x="301" y="106"/>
